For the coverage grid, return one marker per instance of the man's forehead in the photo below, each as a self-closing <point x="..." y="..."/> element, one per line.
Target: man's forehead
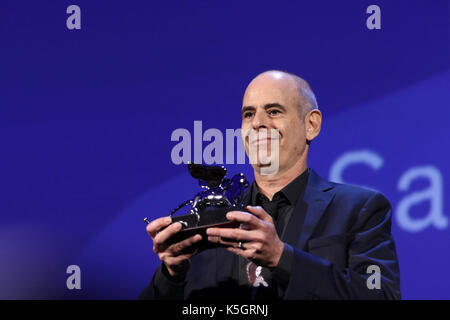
<point x="263" y="92"/>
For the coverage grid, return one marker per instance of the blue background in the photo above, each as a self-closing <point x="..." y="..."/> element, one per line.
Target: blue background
<point x="86" y="118"/>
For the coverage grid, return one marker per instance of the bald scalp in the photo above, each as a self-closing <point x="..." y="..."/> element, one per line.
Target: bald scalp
<point x="306" y="97"/>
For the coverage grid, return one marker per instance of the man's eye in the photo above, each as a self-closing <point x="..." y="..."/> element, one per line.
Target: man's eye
<point x="248" y="114"/>
<point x="274" y="112"/>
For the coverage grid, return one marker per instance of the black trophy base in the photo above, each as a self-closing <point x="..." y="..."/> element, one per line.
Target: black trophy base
<point x="193" y="224"/>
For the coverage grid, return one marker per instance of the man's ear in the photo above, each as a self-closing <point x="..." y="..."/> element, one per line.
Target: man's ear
<point x="313" y="123"/>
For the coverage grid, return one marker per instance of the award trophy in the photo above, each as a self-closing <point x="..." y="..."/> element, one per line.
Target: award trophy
<point x="210" y="206"/>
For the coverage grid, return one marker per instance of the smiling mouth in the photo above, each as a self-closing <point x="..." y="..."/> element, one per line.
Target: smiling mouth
<point x="260" y="141"/>
<point x="262" y="137"/>
<point x="263" y="141"/>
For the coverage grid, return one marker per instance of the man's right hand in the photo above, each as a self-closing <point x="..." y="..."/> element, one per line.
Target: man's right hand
<point x="174" y="256"/>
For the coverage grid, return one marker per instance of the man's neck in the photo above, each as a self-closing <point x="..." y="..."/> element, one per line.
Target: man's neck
<point x="271" y="184"/>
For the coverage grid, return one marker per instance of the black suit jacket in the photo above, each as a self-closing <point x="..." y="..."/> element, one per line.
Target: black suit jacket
<point x="346" y="229"/>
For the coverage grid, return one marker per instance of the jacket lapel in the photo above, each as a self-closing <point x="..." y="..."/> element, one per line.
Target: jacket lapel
<point x="318" y="194"/>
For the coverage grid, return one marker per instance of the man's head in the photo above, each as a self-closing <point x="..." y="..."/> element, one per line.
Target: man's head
<point x="285" y="102"/>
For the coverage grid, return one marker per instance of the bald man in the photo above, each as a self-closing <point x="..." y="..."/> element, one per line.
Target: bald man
<point x="302" y="238"/>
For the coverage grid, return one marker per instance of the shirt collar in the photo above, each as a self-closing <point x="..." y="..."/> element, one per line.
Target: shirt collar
<point x="292" y="191"/>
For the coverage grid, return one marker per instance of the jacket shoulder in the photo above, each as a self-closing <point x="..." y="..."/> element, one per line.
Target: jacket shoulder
<point x="358" y="194"/>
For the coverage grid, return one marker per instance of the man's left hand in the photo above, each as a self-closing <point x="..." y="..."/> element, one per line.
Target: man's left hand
<point x="260" y="241"/>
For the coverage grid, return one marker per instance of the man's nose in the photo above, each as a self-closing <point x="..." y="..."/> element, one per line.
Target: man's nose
<point x="259" y="120"/>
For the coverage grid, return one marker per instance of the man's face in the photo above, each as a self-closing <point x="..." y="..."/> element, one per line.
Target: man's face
<point x="271" y="101"/>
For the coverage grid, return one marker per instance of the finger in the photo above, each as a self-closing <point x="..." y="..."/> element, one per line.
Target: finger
<point x="224" y="241"/>
<point x="246" y="218"/>
<point x="156" y="225"/>
<point x="165" y="234"/>
<point x="233" y="234"/>
<point x="179" y="247"/>
<point x="178" y="261"/>
<point x="245" y="246"/>
<point x="236" y="250"/>
<point x="214" y="239"/>
<point x="248" y="254"/>
<point x="260" y="213"/>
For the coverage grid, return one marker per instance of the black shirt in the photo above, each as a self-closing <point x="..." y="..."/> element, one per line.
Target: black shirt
<point x="280" y="208"/>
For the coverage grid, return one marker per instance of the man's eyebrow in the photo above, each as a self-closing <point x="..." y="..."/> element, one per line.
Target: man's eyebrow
<point x="274" y="105"/>
<point x="247" y="108"/>
<point x="266" y="106"/>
